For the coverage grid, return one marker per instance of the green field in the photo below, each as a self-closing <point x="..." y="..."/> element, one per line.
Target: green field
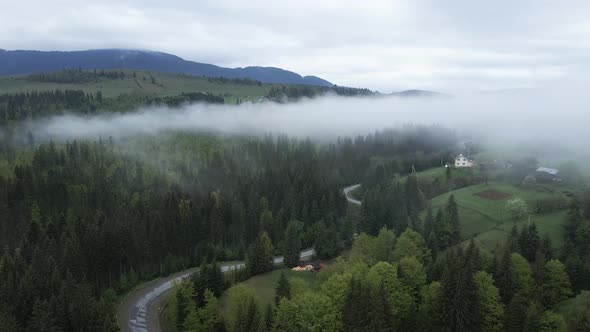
<point x="441" y="173"/>
<point x="487" y="221"/>
<point x="166" y="84"/>
<point x="264" y="285"/>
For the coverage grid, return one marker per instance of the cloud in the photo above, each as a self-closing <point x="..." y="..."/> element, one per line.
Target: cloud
<point x="383" y="44"/>
<point x="555" y="117"/>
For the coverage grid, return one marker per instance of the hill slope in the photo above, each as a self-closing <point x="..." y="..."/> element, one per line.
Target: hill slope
<point x="28" y="62"/>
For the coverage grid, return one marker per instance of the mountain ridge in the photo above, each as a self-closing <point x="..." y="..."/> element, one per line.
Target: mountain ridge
<point x="20" y="62"/>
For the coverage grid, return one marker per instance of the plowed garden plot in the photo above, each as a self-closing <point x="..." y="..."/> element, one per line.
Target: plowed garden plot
<point x="492" y="194"/>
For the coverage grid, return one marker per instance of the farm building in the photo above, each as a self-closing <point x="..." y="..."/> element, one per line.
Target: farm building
<point x="462" y="161"/>
<point x="547" y="174"/>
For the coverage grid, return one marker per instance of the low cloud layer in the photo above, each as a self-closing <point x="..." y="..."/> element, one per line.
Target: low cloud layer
<point x="556" y="117"/>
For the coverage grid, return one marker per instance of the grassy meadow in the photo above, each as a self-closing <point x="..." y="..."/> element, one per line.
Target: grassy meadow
<point x="487" y="220"/>
<point x="166" y="84"/>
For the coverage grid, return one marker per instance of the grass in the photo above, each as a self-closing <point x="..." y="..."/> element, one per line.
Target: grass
<point x="264" y="285"/>
<point x="430" y="175"/>
<point x="487" y="221"/>
<point x="166" y="84"/>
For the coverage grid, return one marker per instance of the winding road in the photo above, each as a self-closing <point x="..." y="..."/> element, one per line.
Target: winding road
<point x="139" y="310"/>
<point x="347" y="191"/>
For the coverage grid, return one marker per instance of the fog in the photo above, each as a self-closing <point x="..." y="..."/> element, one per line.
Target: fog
<point x="557" y="117"/>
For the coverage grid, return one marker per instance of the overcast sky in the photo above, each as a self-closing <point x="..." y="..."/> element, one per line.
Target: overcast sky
<point x="449" y="46"/>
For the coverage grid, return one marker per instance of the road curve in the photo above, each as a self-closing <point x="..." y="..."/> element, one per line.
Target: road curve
<point x="139" y="310"/>
<point x="347" y="191"/>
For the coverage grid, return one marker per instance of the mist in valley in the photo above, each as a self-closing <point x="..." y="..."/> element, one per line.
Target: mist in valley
<point x="550" y="122"/>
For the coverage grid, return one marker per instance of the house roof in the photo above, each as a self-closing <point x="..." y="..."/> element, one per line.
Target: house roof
<point x="551" y="171"/>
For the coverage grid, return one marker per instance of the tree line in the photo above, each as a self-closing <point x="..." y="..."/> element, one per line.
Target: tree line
<point x="34" y="105"/>
<point x="284" y="93"/>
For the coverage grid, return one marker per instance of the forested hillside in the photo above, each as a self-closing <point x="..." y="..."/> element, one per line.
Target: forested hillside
<point x="125" y="84"/>
<point x="84" y="221"/>
<point x="408" y="282"/>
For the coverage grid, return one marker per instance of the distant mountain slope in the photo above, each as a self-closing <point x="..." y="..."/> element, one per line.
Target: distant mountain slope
<point x="28" y="62"/>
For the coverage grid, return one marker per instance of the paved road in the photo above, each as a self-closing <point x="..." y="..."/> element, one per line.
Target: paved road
<point x="347" y="191"/>
<point x="139" y="311"/>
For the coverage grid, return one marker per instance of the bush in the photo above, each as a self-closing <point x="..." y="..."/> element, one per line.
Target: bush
<point x="517" y="208"/>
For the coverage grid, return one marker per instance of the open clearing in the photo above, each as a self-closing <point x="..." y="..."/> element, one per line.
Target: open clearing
<point x="486" y="219"/>
<point x="166" y="84"/>
<point x="264" y="285"/>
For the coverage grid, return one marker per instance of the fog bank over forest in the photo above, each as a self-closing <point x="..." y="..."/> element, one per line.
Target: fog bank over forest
<point x="556" y="117"/>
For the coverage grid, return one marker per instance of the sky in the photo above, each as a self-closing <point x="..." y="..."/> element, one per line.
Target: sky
<point x="447" y="46"/>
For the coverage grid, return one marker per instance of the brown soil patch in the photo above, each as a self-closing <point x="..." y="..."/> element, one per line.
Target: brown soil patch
<point x="492" y="194"/>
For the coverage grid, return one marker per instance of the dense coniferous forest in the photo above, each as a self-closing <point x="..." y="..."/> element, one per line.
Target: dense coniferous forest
<point x="405" y="282"/>
<point x="84" y="221"/>
<point x="408" y="271"/>
<point x="33" y="105"/>
<point x="294" y="93"/>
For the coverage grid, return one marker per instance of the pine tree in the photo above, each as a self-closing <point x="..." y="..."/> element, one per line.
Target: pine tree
<point x="269" y="317"/>
<point x="260" y="258"/>
<point x="460" y="309"/>
<point x="516" y="314"/>
<point x="216" y="280"/>
<point x="574" y="218"/>
<point x="546" y="247"/>
<point x="282" y="289"/>
<point x="209" y="317"/>
<point x="454" y="223"/>
<point x="513" y="240"/>
<point x="191" y="321"/>
<point x="182" y="308"/>
<point x="414" y="197"/>
<point x="529" y="242"/>
<point x="356" y="312"/>
<point x="42" y="318"/>
<point x="428" y="222"/>
<point x="292" y="243"/>
<point x="440" y="230"/>
<point x="252" y="319"/>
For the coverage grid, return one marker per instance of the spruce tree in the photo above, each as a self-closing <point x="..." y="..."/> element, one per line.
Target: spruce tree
<point x="516" y="314"/>
<point x="260" y="255"/>
<point x="455" y="226"/>
<point x="574" y="218"/>
<point x="292" y="243"/>
<point x="282" y="289"/>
